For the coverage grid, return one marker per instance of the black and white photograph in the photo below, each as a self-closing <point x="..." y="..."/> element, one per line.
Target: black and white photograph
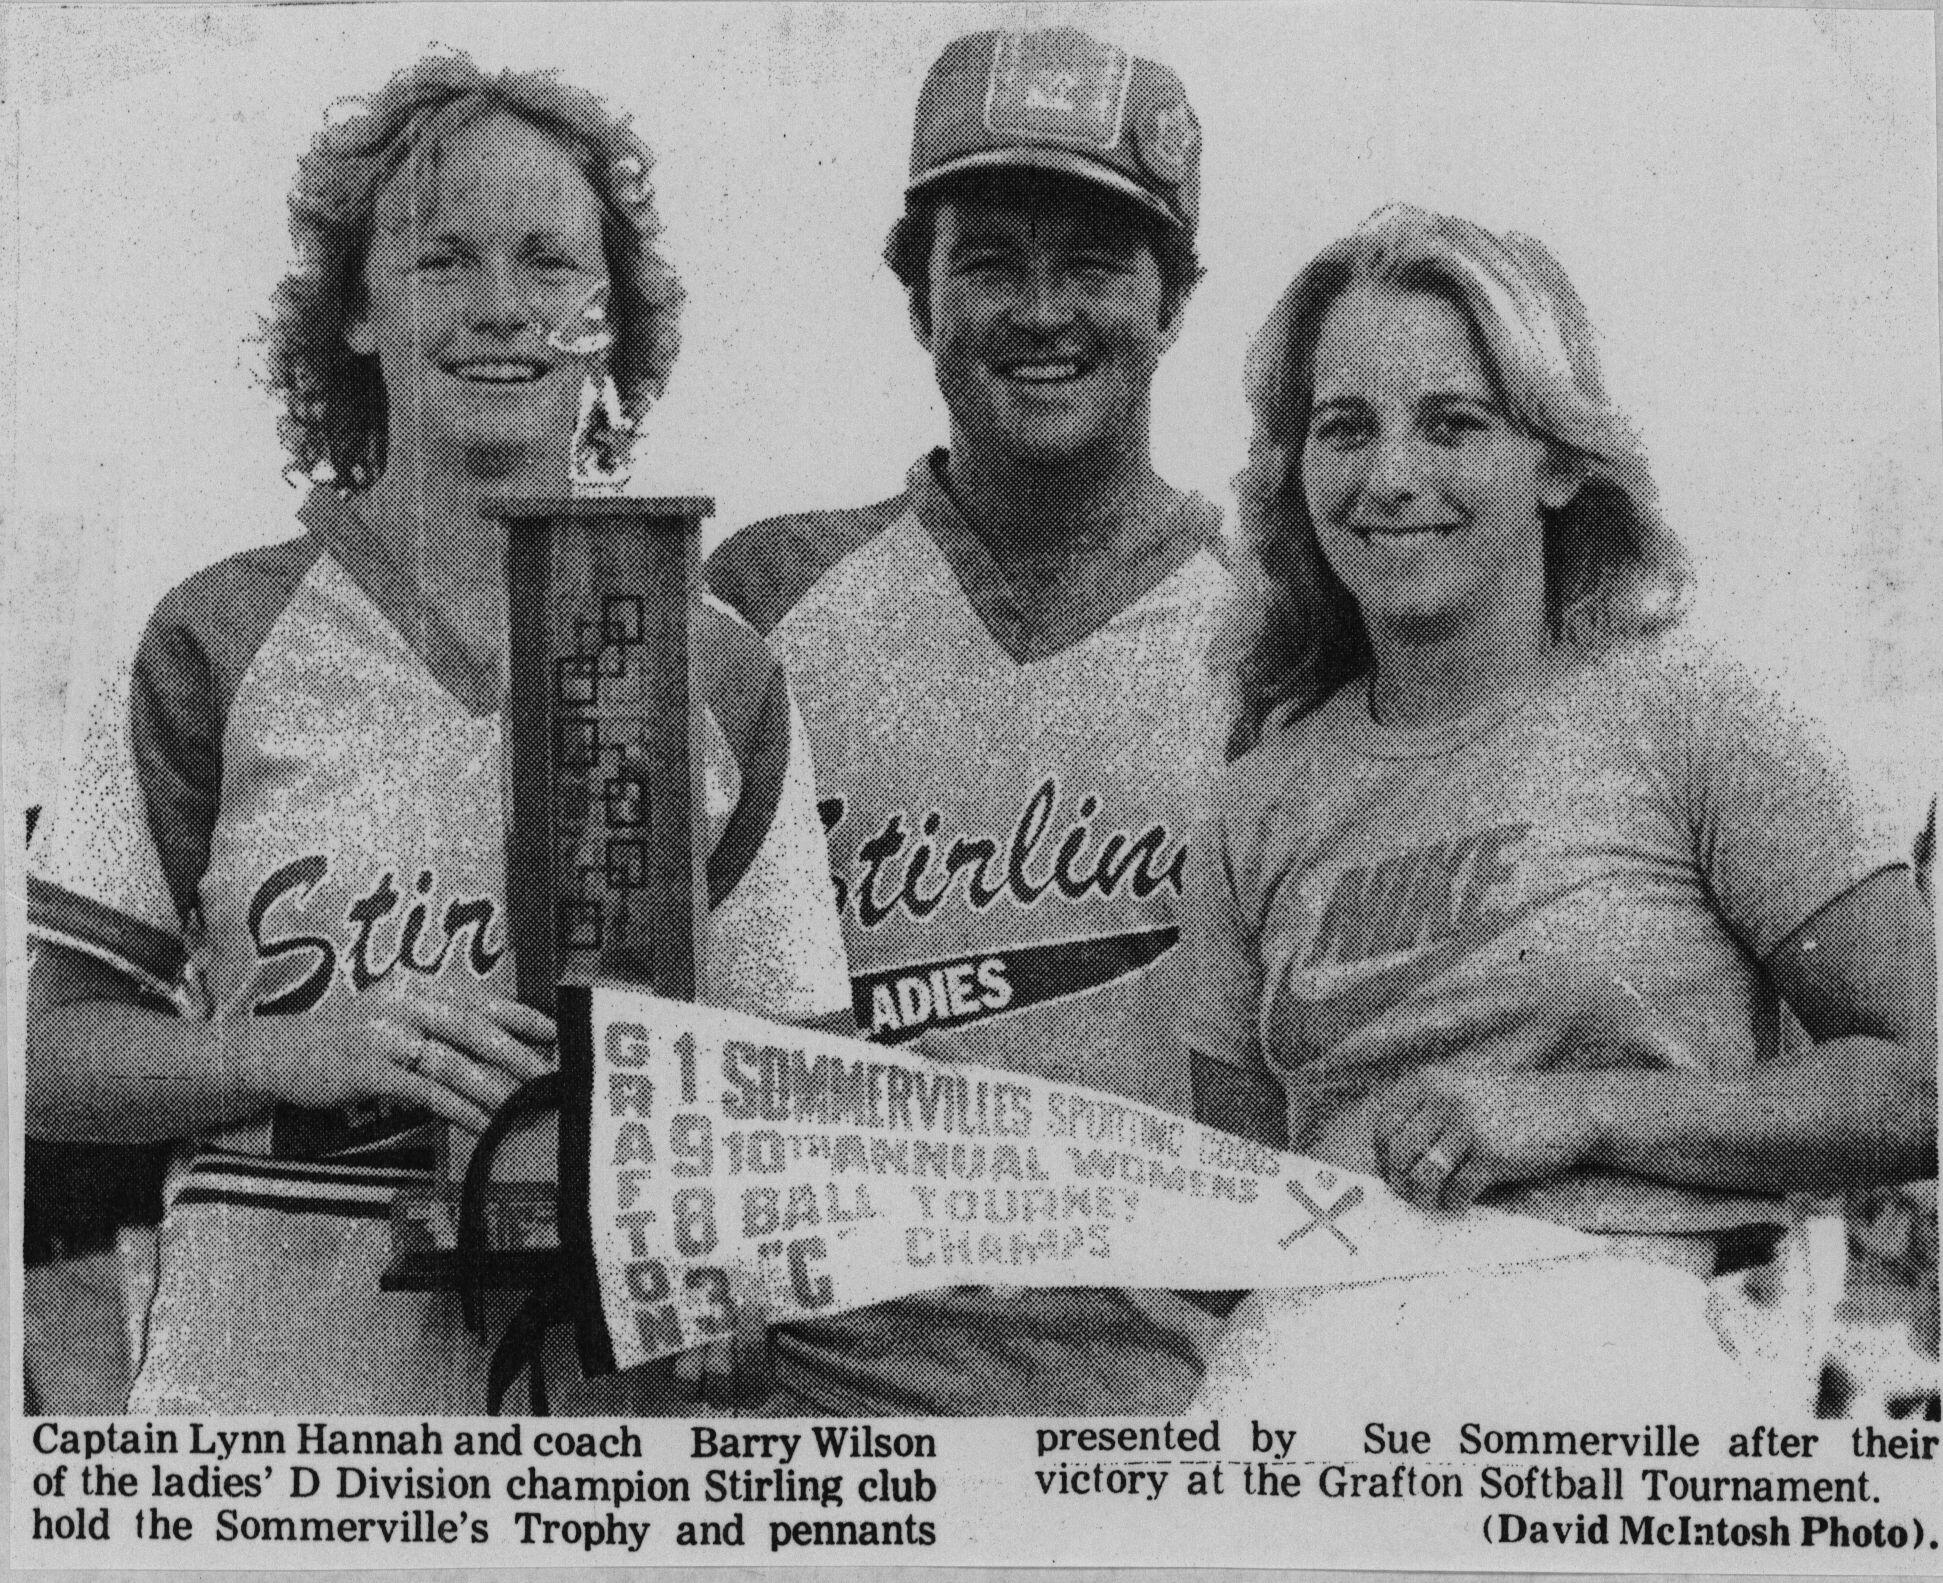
<point x="982" y="784"/>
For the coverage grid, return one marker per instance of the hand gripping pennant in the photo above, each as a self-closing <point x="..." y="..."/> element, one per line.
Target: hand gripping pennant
<point x="718" y="1170"/>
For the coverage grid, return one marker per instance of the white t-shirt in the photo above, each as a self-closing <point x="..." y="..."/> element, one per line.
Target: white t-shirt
<point x="1653" y="816"/>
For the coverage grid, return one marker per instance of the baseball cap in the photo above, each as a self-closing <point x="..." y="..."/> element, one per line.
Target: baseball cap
<point x="1060" y="100"/>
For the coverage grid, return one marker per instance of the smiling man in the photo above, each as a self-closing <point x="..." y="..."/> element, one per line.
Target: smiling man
<point x="1002" y="669"/>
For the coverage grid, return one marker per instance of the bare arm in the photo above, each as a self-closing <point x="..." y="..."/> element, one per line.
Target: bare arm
<point x="1858" y="1109"/>
<point x="107" y="1062"/>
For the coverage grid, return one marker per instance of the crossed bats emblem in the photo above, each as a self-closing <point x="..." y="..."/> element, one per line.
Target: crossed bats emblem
<point x="1318" y="1216"/>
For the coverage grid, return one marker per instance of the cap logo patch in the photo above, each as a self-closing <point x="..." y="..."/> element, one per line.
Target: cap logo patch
<point x="1058" y="87"/>
<point x="1166" y="139"/>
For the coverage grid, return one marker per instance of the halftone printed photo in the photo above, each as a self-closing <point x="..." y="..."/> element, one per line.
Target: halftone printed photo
<point x="979" y="785"/>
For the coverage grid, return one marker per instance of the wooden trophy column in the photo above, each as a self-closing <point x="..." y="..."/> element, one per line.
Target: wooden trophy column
<point x="604" y="813"/>
<point x="603" y="862"/>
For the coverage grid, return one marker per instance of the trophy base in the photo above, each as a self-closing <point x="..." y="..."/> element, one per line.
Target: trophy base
<point x="522" y="1238"/>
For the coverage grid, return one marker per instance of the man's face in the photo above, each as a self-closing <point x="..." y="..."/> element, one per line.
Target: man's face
<point x="1046" y="325"/>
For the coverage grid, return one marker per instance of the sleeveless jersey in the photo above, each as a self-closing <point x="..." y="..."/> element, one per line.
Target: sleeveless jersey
<point x="293" y="794"/>
<point x="1007" y="792"/>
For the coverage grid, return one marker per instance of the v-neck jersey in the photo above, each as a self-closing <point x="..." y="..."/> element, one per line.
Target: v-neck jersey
<point x="1030" y="624"/>
<point x="338" y="526"/>
<point x="766" y="570"/>
<point x="952" y="772"/>
<point x="1007" y="837"/>
<point x="294" y="790"/>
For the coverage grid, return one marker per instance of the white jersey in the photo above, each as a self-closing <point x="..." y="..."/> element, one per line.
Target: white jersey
<point x="1007" y="783"/>
<point x="292" y="796"/>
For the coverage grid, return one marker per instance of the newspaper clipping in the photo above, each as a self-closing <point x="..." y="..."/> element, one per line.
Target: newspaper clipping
<point x="1004" y="785"/>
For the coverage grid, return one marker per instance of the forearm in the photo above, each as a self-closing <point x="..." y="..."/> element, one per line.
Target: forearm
<point x="118" y="1072"/>
<point x="1850" y="1112"/>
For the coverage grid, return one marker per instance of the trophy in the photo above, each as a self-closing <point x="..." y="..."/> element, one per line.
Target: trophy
<point x="604" y="876"/>
<point x="601" y="452"/>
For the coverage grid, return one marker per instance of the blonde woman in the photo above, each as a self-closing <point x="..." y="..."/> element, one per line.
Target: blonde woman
<point x="1500" y="901"/>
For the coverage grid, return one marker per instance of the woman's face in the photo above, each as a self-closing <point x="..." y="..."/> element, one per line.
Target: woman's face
<point x="1423" y="489"/>
<point x="464" y="286"/>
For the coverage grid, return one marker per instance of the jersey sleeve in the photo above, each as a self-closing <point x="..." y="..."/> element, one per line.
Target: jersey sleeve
<point x="1221" y="1019"/>
<point x="773" y="944"/>
<point x="115" y="872"/>
<point x="1782" y="823"/>
<point x="118" y="869"/>
<point x="765" y="570"/>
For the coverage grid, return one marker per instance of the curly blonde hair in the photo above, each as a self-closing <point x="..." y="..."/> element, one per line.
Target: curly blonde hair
<point x="1614" y="571"/>
<point x="334" y="398"/>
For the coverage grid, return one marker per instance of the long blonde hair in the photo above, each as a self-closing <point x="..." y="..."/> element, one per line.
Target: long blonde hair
<point x="1614" y="572"/>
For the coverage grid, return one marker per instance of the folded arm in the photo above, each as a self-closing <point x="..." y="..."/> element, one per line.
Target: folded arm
<point x="1857" y="1109"/>
<point x="108" y="1062"/>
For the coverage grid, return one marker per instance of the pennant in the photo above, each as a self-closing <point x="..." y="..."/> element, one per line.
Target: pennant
<point x="720" y="1170"/>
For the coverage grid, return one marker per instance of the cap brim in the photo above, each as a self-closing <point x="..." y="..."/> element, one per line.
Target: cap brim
<point x="1057" y="161"/>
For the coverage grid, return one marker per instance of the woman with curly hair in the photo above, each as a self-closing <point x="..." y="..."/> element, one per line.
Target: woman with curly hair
<point x="1503" y="896"/>
<point x="268" y="915"/>
<point x="347" y="198"/>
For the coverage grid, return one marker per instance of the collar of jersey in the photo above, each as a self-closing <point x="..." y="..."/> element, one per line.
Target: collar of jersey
<point x="1031" y="623"/>
<point x="334" y="522"/>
